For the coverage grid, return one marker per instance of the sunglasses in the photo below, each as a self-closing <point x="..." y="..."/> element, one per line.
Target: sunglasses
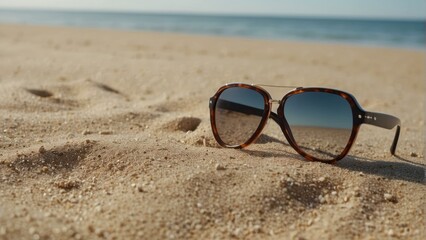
<point x="320" y="124"/>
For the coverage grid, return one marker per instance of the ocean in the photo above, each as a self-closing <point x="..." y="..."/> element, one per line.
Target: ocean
<point x="387" y="33"/>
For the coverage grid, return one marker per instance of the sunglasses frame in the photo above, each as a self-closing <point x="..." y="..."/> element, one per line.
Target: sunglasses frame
<point x="359" y="117"/>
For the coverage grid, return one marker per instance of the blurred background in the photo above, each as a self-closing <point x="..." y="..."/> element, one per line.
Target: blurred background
<point x="390" y="23"/>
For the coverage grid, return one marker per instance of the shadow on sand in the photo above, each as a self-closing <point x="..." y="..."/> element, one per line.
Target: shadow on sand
<point x="403" y="170"/>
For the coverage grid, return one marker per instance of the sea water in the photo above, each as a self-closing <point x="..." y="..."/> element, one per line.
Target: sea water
<point x="373" y="32"/>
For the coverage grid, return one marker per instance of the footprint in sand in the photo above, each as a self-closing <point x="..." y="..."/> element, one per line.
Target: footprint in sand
<point x="183" y="124"/>
<point x="190" y="124"/>
<point x="107" y="88"/>
<point x="39" y="92"/>
<point x="54" y="102"/>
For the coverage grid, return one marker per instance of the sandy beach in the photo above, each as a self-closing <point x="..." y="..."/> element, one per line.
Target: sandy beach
<point x="105" y="134"/>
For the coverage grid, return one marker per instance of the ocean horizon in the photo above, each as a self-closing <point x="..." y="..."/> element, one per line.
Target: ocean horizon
<point x="369" y="32"/>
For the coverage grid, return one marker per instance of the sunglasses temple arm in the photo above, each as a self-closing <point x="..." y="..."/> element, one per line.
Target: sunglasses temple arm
<point x="384" y="121"/>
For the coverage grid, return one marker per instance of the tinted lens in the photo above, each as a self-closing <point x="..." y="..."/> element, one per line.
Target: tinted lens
<point x="321" y="123"/>
<point x="238" y="114"/>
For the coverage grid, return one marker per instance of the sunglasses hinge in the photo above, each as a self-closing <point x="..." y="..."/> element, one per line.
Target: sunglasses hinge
<point x="211" y="101"/>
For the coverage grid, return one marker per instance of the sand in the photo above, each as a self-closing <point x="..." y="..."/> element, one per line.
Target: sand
<point x="105" y="135"/>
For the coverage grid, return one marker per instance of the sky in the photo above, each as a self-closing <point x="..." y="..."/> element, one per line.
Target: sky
<point x="398" y="9"/>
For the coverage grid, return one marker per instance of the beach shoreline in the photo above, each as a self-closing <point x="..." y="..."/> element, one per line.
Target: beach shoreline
<point x="106" y="134"/>
<point x="400" y="33"/>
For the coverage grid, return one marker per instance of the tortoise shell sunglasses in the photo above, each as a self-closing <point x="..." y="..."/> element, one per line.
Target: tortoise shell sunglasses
<point x="321" y="124"/>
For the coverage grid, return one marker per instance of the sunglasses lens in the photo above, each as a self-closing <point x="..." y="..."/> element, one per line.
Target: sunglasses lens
<point x="238" y="114"/>
<point x="321" y="123"/>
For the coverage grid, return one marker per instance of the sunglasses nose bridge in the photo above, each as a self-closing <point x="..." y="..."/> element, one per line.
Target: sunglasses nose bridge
<point x="275" y="101"/>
